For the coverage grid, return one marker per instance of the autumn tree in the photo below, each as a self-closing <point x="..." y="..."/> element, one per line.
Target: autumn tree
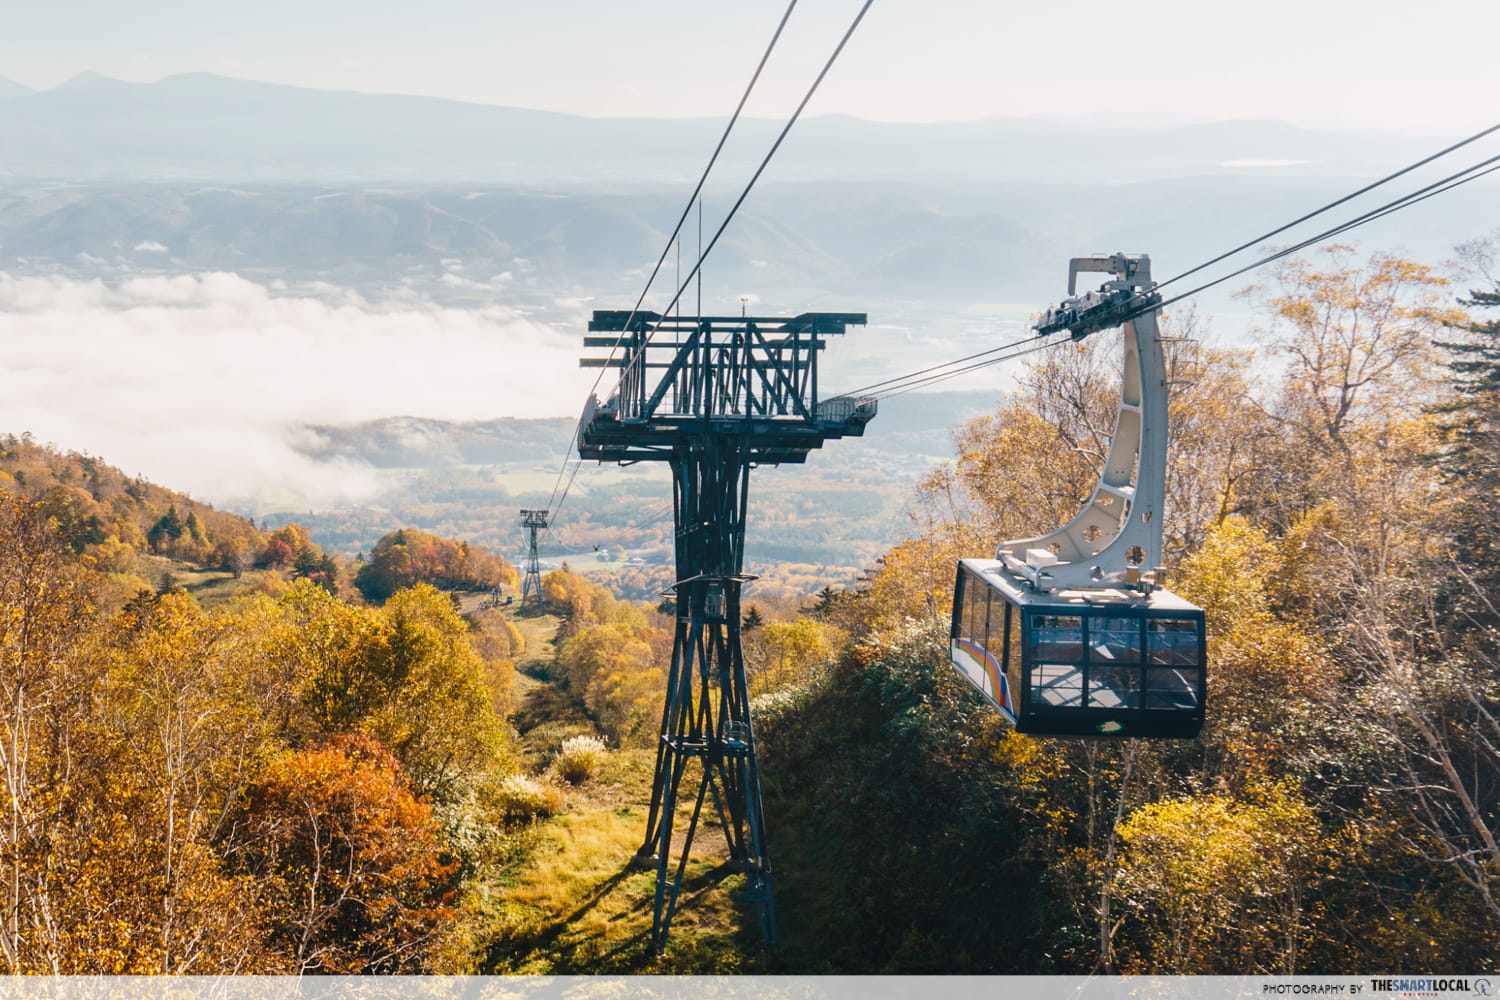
<point x="407" y="557"/>
<point x="121" y="745"/>
<point x="620" y="675"/>
<point x="1032" y="466"/>
<point x="1218" y="435"/>
<point x="782" y="653"/>
<point x="499" y="644"/>
<point x="1344" y="475"/>
<point x="1440" y="716"/>
<point x="1213" y="885"/>
<point x="1272" y="683"/>
<point x="46" y="684"/>
<point x="182" y="700"/>
<point x="75" y="515"/>
<point x="436" y="715"/>
<point x="235" y="555"/>
<point x="360" y="880"/>
<point x="577" y="598"/>
<point x="336" y="655"/>
<point x="406" y="674"/>
<point x="1350" y="333"/>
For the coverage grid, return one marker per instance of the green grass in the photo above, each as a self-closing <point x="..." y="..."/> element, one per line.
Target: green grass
<point x="209" y="587"/>
<point x="581" y="905"/>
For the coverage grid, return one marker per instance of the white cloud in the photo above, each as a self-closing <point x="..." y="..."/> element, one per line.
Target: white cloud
<point x="149" y="246"/>
<point x="200" y="382"/>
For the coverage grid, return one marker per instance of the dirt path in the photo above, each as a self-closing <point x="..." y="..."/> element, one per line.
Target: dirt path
<point x="538" y="631"/>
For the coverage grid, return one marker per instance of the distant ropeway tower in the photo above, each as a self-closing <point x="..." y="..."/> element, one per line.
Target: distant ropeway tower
<point x="535" y="522"/>
<point x="712" y="396"/>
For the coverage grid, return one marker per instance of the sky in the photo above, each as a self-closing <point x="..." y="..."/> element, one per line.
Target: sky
<point x="1416" y="68"/>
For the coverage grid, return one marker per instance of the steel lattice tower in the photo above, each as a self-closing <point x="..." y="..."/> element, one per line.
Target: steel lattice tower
<point x="712" y="396"/>
<point x="534" y="521"/>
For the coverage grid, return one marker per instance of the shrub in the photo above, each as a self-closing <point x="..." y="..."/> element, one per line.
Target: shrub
<point x="522" y="798"/>
<point x="579" y="759"/>
<point x="361" y="881"/>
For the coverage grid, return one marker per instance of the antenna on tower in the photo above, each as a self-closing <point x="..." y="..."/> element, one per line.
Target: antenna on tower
<point x="534" y="521"/>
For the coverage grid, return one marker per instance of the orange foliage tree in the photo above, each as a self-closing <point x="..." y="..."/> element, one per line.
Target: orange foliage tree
<point x="408" y="557"/>
<point x="355" y="864"/>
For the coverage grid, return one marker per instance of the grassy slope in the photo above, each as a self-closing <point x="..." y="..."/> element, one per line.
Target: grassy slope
<point x="578" y="904"/>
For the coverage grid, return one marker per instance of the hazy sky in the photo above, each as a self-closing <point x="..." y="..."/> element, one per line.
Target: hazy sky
<point x="1422" y="66"/>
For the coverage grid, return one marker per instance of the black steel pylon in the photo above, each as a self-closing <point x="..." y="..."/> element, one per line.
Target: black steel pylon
<point x="534" y="521"/>
<point x="712" y="396"/>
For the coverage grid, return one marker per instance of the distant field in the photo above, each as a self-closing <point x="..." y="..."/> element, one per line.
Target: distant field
<point x="810" y="525"/>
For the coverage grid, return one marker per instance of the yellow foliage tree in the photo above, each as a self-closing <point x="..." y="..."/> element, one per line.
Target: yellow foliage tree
<point x="123" y="743"/>
<point x="1213" y="885"/>
<point x="1269" y="679"/>
<point x="438" y="718"/>
<point x="782" y="653"/>
<point x="614" y="669"/>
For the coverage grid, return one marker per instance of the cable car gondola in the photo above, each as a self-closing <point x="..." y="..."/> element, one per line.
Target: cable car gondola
<point x="1071" y="633"/>
<point x="1079" y="663"/>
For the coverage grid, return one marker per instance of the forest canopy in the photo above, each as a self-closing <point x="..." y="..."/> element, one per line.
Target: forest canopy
<point x="322" y="769"/>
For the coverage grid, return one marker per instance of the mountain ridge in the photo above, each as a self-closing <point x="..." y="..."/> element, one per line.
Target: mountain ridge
<point x="209" y="126"/>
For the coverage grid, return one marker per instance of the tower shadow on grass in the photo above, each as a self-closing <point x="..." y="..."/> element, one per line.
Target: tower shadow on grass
<point x="549" y="941"/>
<point x="559" y="947"/>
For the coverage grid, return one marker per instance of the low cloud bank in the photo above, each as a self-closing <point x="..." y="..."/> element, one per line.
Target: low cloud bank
<point x="199" y="382"/>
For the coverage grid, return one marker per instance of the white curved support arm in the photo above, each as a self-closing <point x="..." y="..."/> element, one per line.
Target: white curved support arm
<point x="1118" y="533"/>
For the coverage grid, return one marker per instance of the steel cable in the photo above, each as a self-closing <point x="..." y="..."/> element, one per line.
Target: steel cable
<point x="555" y="502"/>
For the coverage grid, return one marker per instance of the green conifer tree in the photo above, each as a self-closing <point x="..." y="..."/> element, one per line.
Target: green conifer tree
<point x="1470" y="421"/>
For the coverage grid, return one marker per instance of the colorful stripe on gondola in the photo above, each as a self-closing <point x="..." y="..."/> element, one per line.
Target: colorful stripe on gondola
<point x="998" y="689"/>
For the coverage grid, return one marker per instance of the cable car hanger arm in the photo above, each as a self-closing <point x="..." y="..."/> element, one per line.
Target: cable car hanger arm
<point x="1118" y="532"/>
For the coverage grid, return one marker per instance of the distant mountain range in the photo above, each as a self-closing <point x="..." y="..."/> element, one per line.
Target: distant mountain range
<point x="945" y="234"/>
<point x="915" y="431"/>
<point x="949" y="247"/>
<point x="470" y="203"/>
<point x="204" y="127"/>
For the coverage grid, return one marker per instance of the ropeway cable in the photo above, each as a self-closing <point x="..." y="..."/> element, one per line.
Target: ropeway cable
<point x="1331" y="205"/>
<point x="734" y="209"/>
<point x="1031" y="348"/>
<point x="1454" y="180"/>
<point x="750" y="185"/>
<point x="555" y="502"/>
<point x="869" y="389"/>
<point x="939" y="373"/>
<point x="911" y="381"/>
<point x="702" y="179"/>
